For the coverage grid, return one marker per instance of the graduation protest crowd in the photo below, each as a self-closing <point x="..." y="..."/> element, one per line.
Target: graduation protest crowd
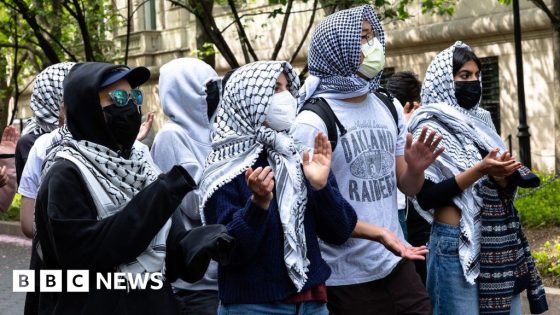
<point x="262" y="195"/>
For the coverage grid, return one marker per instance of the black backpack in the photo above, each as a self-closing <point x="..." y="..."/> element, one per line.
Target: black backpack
<point x="320" y="107"/>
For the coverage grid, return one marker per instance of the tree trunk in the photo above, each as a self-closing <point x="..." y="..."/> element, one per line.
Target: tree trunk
<point x="128" y="29"/>
<point x="86" y="37"/>
<point x="31" y="20"/>
<point x="202" y="38"/>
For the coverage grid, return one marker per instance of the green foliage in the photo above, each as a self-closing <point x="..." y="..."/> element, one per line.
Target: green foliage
<point x="13" y="212"/>
<point x="206" y="51"/>
<point x="441" y="7"/>
<point x="548" y="258"/>
<point x="541" y="208"/>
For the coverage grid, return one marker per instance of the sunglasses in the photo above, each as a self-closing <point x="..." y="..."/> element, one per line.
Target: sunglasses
<point x="121" y="97"/>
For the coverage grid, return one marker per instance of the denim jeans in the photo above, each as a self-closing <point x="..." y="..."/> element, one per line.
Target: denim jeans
<point x="202" y="302"/>
<point x="402" y="221"/>
<point x="449" y="291"/>
<point x="305" y="308"/>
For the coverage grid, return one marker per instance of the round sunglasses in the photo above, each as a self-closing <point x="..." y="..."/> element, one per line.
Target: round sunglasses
<point x="121" y="97"/>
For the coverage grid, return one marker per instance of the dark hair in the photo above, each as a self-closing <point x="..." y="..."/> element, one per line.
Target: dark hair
<point x="405" y="86"/>
<point x="463" y="55"/>
<point x="226" y="77"/>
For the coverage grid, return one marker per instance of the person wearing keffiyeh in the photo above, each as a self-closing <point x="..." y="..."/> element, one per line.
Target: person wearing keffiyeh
<point x="274" y="199"/>
<point x="46" y="103"/>
<point x="479" y="260"/>
<point x="104" y="206"/>
<point x="372" y="159"/>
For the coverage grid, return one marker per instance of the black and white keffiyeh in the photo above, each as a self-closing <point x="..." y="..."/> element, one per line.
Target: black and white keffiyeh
<point x="46" y="98"/>
<point x="113" y="181"/>
<point x="240" y="136"/>
<point x="464" y="132"/>
<point x="334" y="55"/>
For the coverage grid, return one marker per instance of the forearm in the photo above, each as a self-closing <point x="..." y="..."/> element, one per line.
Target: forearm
<point x="367" y="231"/>
<point x="410" y="182"/>
<point x="469" y="177"/>
<point x="26" y="216"/>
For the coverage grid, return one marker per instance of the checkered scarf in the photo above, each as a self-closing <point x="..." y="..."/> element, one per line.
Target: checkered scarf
<point x="240" y="137"/>
<point x="334" y="56"/>
<point x="46" y="98"/>
<point x="113" y="181"/>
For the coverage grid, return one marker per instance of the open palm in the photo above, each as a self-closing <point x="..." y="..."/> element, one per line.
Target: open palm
<point x="423" y="152"/>
<point x="317" y="169"/>
<point x="9" y="140"/>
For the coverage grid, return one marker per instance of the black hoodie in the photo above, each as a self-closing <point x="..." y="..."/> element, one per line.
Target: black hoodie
<point x="72" y="237"/>
<point x="84" y="116"/>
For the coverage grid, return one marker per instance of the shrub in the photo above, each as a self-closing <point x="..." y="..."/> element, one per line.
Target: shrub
<point x="13" y="212"/>
<point x="548" y="258"/>
<point x="541" y="207"/>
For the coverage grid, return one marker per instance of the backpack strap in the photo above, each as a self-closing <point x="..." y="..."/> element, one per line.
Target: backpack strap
<point x="387" y="99"/>
<point x="321" y="108"/>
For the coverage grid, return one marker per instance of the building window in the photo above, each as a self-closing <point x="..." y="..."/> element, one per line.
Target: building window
<point x="387" y="73"/>
<point x="150" y="15"/>
<point x="490" y="74"/>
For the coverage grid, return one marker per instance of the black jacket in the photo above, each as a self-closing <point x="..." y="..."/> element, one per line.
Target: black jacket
<point x="72" y="237"/>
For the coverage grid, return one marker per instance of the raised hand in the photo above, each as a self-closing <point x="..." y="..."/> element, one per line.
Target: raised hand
<point x="500" y="167"/>
<point x="145" y="127"/>
<point x="420" y="154"/>
<point x="397" y="247"/>
<point x="261" y="183"/>
<point x="409" y="109"/>
<point x="317" y="169"/>
<point x="9" y="140"/>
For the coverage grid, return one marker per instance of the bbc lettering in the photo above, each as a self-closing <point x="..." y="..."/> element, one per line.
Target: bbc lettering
<point x="78" y="281"/>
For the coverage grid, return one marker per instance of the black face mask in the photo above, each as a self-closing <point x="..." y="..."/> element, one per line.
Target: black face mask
<point x="212" y="97"/>
<point x="468" y="93"/>
<point x="124" y="123"/>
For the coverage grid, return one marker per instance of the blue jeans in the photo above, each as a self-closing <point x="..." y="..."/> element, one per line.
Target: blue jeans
<point x="305" y="308"/>
<point x="449" y="291"/>
<point x="402" y="221"/>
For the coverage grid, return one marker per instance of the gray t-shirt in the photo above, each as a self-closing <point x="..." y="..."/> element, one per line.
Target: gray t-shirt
<point x="364" y="166"/>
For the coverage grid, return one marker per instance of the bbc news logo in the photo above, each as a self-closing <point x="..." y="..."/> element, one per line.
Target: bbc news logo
<point x="79" y="281"/>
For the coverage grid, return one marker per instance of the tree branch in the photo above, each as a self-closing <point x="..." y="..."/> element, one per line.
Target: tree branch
<point x="241" y="30"/>
<point x="278" y="45"/>
<point x="20" y="7"/>
<point x="209" y="25"/>
<point x="242" y="16"/>
<point x="555" y="20"/>
<point x="26" y="47"/>
<point x="306" y="33"/>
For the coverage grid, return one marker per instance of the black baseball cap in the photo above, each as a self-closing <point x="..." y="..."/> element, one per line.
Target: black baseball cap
<point x="135" y="76"/>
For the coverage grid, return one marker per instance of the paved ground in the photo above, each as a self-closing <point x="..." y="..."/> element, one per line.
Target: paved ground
<point x="14" y="254"/>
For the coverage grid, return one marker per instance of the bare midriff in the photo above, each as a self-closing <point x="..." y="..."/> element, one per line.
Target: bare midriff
<point x="449" y="215"/>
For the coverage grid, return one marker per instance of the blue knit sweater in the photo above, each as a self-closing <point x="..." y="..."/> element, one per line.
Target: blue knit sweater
<point x="257" y="273"/>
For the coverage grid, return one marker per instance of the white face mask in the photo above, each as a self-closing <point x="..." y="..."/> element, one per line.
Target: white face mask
<point x="374" y="59"/>
<point x="282" y="111"/>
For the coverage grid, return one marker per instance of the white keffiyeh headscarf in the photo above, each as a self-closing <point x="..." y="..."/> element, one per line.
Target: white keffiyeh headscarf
<point x="334" y="56"/>
<point x="46" y="98"/>
<point x="113" y="181"/>
<point x="464" y="132"/>
<point x="240" y="137"/>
